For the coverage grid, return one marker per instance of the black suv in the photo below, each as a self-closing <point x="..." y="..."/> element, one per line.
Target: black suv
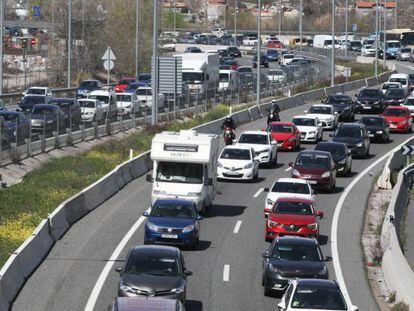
<point x="234" y="51"/>
<point x="289" y="258"/>
<point x="377" y="127"/>
<point x="370" y="100"/>
<point x="343" y="105"/>
<point x="395" y="96"/>
<point x="355" y="136"/>
<point x="340" y="154"/>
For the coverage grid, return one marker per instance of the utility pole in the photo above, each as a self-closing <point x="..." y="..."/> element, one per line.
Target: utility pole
<point x="300" y="22"/>
<point x="69" y="42"/>
<point x="154" y="80"/>
<point x="235" y="22"/>
<point x="136" y="38"/>
<point x="1" y="45"/>
<point x="175" y="17"/>
<point x="395" y="14"/>
<point x="205" y="15"/>
<point x="377" y="37"/>
<point x="259" y="45"/>
<point x="346" y="28"/>
<point x="333" y="45"/>
<point x="384" y="60"/>
<point x="280" y="18"/>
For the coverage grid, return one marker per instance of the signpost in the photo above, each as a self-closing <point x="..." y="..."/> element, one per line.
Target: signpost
<point x="36" y="11"/>
<point x="346" y="72"/>
<point x="354" y="28"/>
<point x="407" y="150"/>
<point x="108" y="59"/>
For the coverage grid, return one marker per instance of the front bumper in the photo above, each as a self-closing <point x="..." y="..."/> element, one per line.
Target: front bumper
<point x="166" y="295"/>
<point x="397" y="127"/>
<point x="264" y="157"/>
<point x="307" y="137"/>
<point x="283" y="230"/>
<point x="317" y="182"/>
<point x="239" y="174"/>
<point x="88" y="118"/>
<point x="286" y="145"/>
<point x="177" y="239"/>
<point x="376" y="135"/>
<point x="356" y="151"/>
<point x="328" y="124"/>
<point x="368" y="108"/>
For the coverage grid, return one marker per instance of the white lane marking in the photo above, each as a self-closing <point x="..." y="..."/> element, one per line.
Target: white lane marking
<point x="226" y="273"/>
<point x="258" y="193"/>
<point x="288" y="169"/>
<point x="335" y="221"/>
<point x="108" y="267"/>
<point x="237" y="227"/>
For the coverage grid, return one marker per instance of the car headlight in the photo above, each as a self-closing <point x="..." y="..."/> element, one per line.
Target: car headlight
<point x="272" y="224"/>
<point x="269" y="202"/>
<point x="49" y="121"/>
<point x="343" y="161"/>
<point x="402" y="122"/>
<point x="292" y="139"/>
<point x="295" y="173"/>
<point x="359" y="144"/>
<point x="326" y="174"/>
<point x="264" y="150"/>
<point x="194" y="194"/>
<point x="379" y="132"/>
<point x="313" y="226"/>
<point x="152" y="227"/>
<point x="323" y="271"/>
<point x="178" y="290"/>
<point x="126" y="288"/>
<point x="248" y="165"/>
<point x="312" y="133"/>
<point x="188" y="228"/>
<point x="219" y="164"/>
<point x="156" y="192"/>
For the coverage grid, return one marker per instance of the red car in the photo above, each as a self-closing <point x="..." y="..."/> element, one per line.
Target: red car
<point x="123" y="84"/>
<point x="286" y="134"/>
<point x="292" y="216"/>
<point x="398" y="118"/>
<point x="275" y="44"/>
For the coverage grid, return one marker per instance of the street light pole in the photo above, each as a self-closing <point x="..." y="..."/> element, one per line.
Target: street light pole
<point x="1" y="45"/>
<point x="205" y="15"/>
<point x="280" y="18"/>
<point x="333" y="45"/>
<point x="384" y="60"/>
<point x="376" y="37"/>
<point x="259" y="44"/>
<point x="346" y="28"/>
<point x="395" y="14"/>
<point x="154" y="80"/>
<point x="235" y="22"/>
<point x="175" y="17"/>
<point x="136" y="38"/>
<point x="69" y="42"/>
<point x="300" y="22"/>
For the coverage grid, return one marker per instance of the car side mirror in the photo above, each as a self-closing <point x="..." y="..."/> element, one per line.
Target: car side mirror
<point x="281" y="306"/>
<point x="328" y="258"/>
<point x="273" y="142"/>
<point x="265" y="255"/>
<point x="290" y="164"/>
<point x="149" y="178"/>
<point x="234" y="141"/>
<point x="320" y="124"/>
<point x="305" y="111"/>
<point x="188" y="272"/>
<point x="314" y="192"/>
<point x="118" y="269"/>
<point x="266" y="190"/>
<point x="209" y="182"/>
<point x="145" y="214"/>
<point x="319" y="214"/>
<point x="348" y="152"/>
<point x="335" y="112"/>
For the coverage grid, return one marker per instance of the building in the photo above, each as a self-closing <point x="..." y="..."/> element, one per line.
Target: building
<point x="367" y="7"/>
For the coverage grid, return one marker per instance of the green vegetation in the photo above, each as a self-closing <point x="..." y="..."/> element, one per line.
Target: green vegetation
<point x="358" y="70"/>
<point x="392" y="297"/>
<point x="24" y="205"/>
<point x="401" y="306"/>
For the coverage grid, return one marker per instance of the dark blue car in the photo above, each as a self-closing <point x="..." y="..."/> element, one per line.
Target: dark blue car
<point x="29" y="101"/>
<point x="16" y="123"/>
<point x="173" y="222"/>
<point x="145" y="78"/>
<point x="133" y="86"/>
<point x="272" y="55"/>
<point x="86" y="87"/>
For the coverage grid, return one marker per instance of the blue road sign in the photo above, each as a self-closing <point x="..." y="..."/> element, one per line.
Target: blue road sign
<point x="36" y="11"/>
<point x="354" y="27"/>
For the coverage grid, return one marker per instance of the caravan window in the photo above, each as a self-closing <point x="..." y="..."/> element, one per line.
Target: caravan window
<point x="188" y="173"/>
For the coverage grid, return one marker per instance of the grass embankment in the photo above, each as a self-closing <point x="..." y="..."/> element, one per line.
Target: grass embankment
<point x="24" y="205"/>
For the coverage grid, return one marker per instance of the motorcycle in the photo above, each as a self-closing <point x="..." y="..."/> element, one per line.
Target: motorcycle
<point x="272" y="117"/>
<point x="228" y="136"/>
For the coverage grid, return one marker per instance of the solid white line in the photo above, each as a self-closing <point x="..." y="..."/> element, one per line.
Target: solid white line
<point x="108" y="267"/>
<point x="288" y="169"/>
<point x="258" y="193"/>
<point x="335" y="221"/>
<point x="226" y="273"/>
<point x="237" y="227"/>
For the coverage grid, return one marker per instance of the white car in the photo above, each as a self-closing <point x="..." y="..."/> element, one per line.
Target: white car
<point x="265" y="147"/>
<point x="127" y="103"/>
<point x="290" y="188"/>
<point x="36" y="90"/>
<point x="107" y="97"/>
<point x="144" y="94"/>
<point x="286" y="59"/>
<point x="368" y="50"/>
<point x="409" y="103"/>
<point x="92" y="110"/>
<point x="325" y="114"/>
<point x="390" y="85"/>
<point x="250" y="41"/>
<point x="276" y="76"/>
<point x="237" y="163"/>
<point x="314" y="294"/>
<point x="402" y="78"/>
<point x="309" y="127"/>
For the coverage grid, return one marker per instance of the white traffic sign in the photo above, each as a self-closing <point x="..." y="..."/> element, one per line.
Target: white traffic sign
<point x="346" y="72"/>
<point x="407" y="150"/>
<point x="108" y="64"/>
<point x="109" y="54"/>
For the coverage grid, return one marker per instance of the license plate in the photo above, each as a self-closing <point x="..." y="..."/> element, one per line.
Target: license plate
<point x="303" y="136"/>
<point x="367" y="108"/>
<point x="280" y="145"/>
<point x="393" y="126"/>
<point x="312" y="182"/>
<point x="370" y="135"/>
<point x="232" y="173"/>
<point x="169" y="236"/>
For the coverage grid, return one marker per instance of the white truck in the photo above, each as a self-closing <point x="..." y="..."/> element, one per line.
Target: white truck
<point x="200" y="71"/>
<point x="185" y="167"/>
<point x="324" y="42"/>
<point x="228" y="80"/>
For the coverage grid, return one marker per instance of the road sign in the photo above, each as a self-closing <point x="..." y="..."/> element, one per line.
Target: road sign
<point x="346" y="72"/>
<point x="407" y="150"/>
<point x="108" y="64"/>
<point x="170" y="77"/>
<point x="33" y="41"/>
<point x="36" y="11"/>
<point x="354" y="27"/>
<point x="109" y="54"/>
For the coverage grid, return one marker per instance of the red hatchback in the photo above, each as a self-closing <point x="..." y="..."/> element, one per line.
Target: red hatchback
<point x="275" y="44"/>
<point x="293" y="216"/>
<point x="286" y="134"/>
<point x="398" y="118"/>
<point x="123" y="84"/>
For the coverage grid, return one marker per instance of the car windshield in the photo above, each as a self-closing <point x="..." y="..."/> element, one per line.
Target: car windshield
<point x="87" y="103"/>
<point x="174" y="172"/>
<point x="288" y="56"/>
<point x="43" y="110"/>
<point x="35" y="91"/>
<point x="320" y="110"/>
<point x="88" y="84"/>
<point x="403" y="81"/>
<point x="152" y="264"/>
<point x="253" y="139"/>
<point x="296" y="208"/>
<point x="9" y="117"/>
<point x="395" y="92"/>
<point x="318" y="298"/>
<point x="193" y="76"/>
<point x="141" y="92"/>
<point x="291" y="187"/>
<point x="235" y="154"/>
<point x="368" y="47"/>
<point x="405" y="50"/>
<point x="304" y="122"/>
<point x="336" y="150"/>
<point x="393" y="45"/>
<point x="245" y="69"/>
<point x="409" y="102"/>
<point x="372" y="121"/>
<point x="280" y="128"/>
<point x="173" y="210"/>
<point x="387" y="86"/>
<point x="313" y="160"/>
<point x="224" y="77"/>
<point x="394" y="112"/>
<point x="102" y="98"/>
<point x="356" y="43"/>
<point x="123" y="98"/>
<point x="347" y="131"/>
<point x="370" y="93"/>
<point x="33" y="100"/>
<point x="335" y="99"/>
<point x="296" y="252"/>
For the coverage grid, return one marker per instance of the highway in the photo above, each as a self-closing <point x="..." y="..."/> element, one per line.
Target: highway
<point x="226" y="265"/>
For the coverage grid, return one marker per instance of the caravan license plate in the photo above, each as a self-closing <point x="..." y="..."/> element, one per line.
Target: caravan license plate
<point x="169" y="236"/>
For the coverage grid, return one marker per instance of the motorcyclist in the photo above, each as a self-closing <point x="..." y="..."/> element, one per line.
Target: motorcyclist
<point x="273" y="112"/>
<point x="231" y="124"/>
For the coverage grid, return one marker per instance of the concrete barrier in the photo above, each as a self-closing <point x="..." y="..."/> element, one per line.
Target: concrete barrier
<point x="4" y="304"/>
<point x="255" y="113"/>
<point x="333" y="90"/>
<point x="242" y="117"/>
<point x="371" y="81"/>
<point x="11" y="278"/>
<point x="57" y="222"/>
<point x="314" y="95"/>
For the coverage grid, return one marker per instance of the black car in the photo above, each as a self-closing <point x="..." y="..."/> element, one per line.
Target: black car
<point x="394" y="96"/>
<point x="234" y="51"/>
<point x="340" y="154"/>
<point x="377" y="127"/>
<point x="16" y="124"/>
<point x="370" y="100"/>
<point x="355" y="136"/>
<point x="223" y="59"/>
<point x="4" y="139"/>
<point x="289" y="258"/>
<point x="47" y="118"/>
<point x="263" y="61"/>
<point x="154" y="271"/>
<point x="28" y="102"/>
<point x="193" y="49"/>
<point x="71" y="108"/>
<point x="411" y="78"/>
<point x="343" y="105"/>
<point x="223" y="52"/>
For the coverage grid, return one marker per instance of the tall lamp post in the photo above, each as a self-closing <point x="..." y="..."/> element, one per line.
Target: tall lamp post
<point x="259" y="45"/>
<point x="154" y="80"/>
<point x="300" y="22"/>
<point x="136" y="38"/>
<point x="280" y="18"/>
<point x="235" y="22"/>
<point x="333" y="45"/>
<point x="69" y="42"/>
<point x="1" y="45"/>
<point x="377" y="37"/>
<point x="384" y="60"/>
<point x="346" y="28"/>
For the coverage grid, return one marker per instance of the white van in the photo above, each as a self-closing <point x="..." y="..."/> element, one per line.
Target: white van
<point x="185" y="167"/>
<point x="401" y="78"/>
<point x="228" y="80"/>
<point x="108" y="101"/>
